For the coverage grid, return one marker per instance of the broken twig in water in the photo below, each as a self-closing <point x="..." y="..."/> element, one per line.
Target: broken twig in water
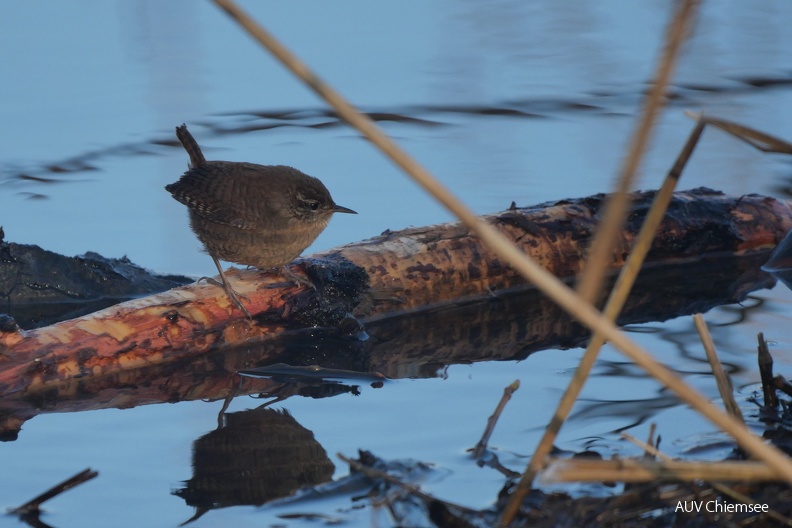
<point x="650" y="441"/>
<point x="766" y="371"/>
<point x="481" y="446"/>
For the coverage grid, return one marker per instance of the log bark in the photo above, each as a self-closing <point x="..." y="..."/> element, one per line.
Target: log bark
<point x="419" y="344"/>
<point x="412" y="269"/>
<point x="436" y="264"/>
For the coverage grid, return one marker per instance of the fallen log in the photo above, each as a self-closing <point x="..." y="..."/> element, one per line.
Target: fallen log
<point x="393" y="273"/>
<point x="419" y="344"/>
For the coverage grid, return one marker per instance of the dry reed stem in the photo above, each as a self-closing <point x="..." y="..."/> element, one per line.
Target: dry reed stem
<point x="648" y="448"/>
<point x="647" y="470"/>
<point x="721" y="378"/>
<point x="546" y="282"/>
<point x="600" y="249"/>
<point x="755" y="138"/>
<point x="613" y="307"/>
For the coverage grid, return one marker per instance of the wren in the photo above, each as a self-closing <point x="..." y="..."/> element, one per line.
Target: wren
<point x="255" y="215"/>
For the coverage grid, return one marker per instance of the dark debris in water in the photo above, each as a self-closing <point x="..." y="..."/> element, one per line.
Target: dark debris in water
<point x="639" y="505"/>
<point x="39" y="287"/>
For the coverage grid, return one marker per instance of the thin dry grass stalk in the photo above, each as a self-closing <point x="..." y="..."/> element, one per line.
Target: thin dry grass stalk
<point x="721" y="378"/>
<point x="755" y="138"/>
<point x="545" y="281"/>
<point x="601" y="247"/>
<point x="613" y="307"/>
<point x="646" y="470"/>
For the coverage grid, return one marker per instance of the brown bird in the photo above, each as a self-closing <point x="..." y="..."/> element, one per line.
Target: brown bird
<point x="255" y="215"/>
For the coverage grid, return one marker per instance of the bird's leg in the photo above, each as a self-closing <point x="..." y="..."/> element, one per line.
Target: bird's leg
<point x="232" y="295"/>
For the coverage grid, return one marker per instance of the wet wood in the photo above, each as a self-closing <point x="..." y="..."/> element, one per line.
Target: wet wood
<point x="433" y="264"/>
<point x="419" y="344"/>
<point x="398" y="271"/>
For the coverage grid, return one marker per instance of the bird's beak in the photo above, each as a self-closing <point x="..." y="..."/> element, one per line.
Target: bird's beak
<point x="341" y="209"/>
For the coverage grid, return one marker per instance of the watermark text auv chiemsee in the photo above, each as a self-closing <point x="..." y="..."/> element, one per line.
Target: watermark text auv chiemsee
<point x="719" y="506"/>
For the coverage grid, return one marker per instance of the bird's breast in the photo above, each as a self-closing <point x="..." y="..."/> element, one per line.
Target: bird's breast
<point x="267" y="245"/>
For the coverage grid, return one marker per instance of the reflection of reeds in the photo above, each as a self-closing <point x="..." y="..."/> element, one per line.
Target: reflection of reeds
<point x="576" y="305"/>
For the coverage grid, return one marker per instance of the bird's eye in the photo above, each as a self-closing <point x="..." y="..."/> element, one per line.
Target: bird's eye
<point x="313" y="205"/>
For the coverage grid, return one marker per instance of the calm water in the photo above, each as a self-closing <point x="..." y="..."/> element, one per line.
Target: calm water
<point x="93" y="90"/>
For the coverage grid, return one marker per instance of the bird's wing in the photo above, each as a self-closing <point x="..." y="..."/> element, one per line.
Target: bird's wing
<point x="204" y="190"/>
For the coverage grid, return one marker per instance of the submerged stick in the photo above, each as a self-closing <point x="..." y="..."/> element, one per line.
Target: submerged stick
<point x="725" y="387"/>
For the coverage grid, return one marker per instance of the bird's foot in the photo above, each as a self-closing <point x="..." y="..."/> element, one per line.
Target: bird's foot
<point x="298" y="279"/>
<point x="233" y="296"/>
<point x="292" y="278"/>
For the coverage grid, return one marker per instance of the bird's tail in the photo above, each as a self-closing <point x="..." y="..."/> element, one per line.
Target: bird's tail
<point x="191" y="146"/>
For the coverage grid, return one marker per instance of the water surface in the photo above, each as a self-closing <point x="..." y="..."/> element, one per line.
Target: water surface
<point x="511" y="101"/>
